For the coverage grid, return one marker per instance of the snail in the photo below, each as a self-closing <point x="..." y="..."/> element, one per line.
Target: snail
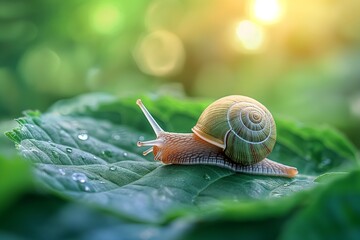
<point x="234" y="132"/>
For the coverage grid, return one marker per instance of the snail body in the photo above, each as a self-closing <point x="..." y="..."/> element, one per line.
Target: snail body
<point x="234" y="132"/>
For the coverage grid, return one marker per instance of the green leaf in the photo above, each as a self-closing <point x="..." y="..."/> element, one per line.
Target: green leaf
<point x="85" y="149"/>
<point x="329" y="177"/>
<point x="318" y="149"/>
<point x="44" y="217"/>
<point x="334" y="214"/>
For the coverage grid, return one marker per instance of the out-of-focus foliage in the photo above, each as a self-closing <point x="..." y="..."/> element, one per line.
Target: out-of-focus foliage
<point x="300" y="58"/>
<point x="15" y="179"/>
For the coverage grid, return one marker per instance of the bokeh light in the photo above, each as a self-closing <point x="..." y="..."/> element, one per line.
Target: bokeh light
<point x="355" y="106"/>
<point x="39" y="66"/>
<point x="250" y="35"/>
<point x="160" y="53"/>
<point x="267" y="11"/>
<point x="106" y="18"/>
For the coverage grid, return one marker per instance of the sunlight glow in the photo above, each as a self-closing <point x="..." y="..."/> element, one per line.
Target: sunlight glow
<point x="267" y="11"/>
<point x="106" y="19"/>
<point x="250" y="35"/>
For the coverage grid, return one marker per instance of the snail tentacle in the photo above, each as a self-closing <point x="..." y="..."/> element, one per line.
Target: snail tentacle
<point x="146" y="152"/>
<point x="155" y="142"/>
<point x="155" y="126"/>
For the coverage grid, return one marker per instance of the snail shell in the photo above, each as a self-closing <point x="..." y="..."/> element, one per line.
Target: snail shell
<point x="241" y="126"/>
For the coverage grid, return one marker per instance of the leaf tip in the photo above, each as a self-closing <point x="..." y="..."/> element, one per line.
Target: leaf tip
<point x="12" y="135"/>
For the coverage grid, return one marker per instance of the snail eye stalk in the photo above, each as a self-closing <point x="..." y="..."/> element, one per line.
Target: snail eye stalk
<point x="146" y="152"/>
<point x="155" y="126"/>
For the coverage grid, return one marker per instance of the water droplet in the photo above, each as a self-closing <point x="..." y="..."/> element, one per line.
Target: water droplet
<point x="62" y="171"/>
<point x="112" y="168"/>
<point x="102" y="182"/>
<point x="125" y="154"/>
<point x="79" y="177"/>
<point x="69" y="150"/>
<point x="83" y="136"/>
<point x="94" y="157"/>
<point x="116" y="137"/>
<point x="107" y="153"/>
<point x="276" y="194"/>
<point x="82" y="157"/>
<point x="55" y="154"/>
<point x="141" y="138"/>
<point x="287" y="184"/>
<point x="207" y="177"/>
<point x="87" y="189"/>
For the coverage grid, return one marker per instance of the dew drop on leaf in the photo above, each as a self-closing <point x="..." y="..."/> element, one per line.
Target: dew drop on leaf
<point x="62" y="171"/>
<point x="276" y="194"/>
<point x="79" y="177"/>
<point x="112" y="168"/>
<point x="116" y="137"/>
<point x="125" y="154"/>
<point x="69" y="150"/>
<point x="107" y="153"/>
<point x="55" y="154"/>
<point x="87" y="188"/>
<point x="287" y="184"/>
<point x="207" y="177"/>
<point x="83" y="136"/>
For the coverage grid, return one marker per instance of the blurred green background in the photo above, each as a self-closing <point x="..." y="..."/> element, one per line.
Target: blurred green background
<point x="300" y="58"/>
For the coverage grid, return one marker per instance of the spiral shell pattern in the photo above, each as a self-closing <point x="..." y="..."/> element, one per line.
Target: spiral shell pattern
<point x="242" y="126"/>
